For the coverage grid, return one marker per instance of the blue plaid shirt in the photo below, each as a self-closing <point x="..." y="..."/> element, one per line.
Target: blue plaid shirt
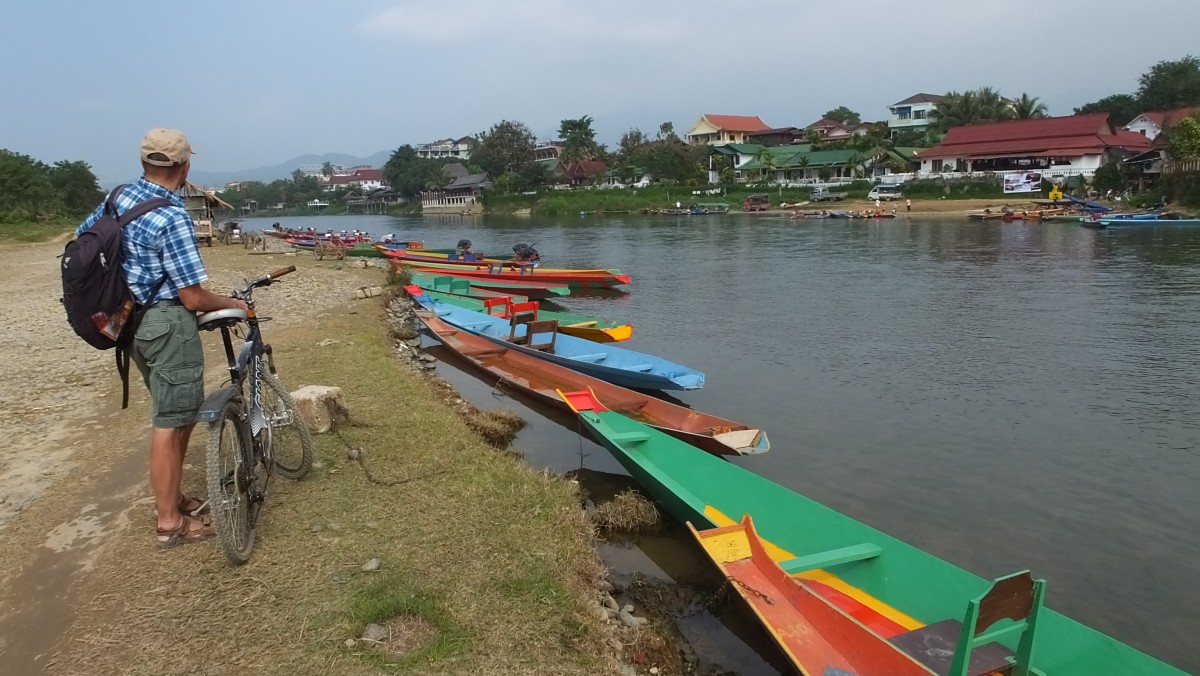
<point x="160" y="244"/>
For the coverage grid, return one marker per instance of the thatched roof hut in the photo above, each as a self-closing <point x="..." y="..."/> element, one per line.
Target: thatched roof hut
<point x="199" y="202"/>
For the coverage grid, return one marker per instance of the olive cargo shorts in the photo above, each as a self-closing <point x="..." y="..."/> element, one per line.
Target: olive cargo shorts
<point x="167" y="350"/>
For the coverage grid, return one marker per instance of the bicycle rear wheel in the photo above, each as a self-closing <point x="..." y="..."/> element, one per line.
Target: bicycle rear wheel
<point x="229" y="486"/>
<point x="291" y="443"/>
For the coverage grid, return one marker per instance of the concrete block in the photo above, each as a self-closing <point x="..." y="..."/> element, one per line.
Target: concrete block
<point x="321" y="406"/>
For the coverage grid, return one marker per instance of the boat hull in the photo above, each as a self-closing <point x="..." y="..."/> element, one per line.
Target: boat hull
<point x="541" y="380"/>
<point x="616" y="365"/>
<point x="588" y="328"/>
<point x="902" y="587"/>
<point x="576" y="279"/>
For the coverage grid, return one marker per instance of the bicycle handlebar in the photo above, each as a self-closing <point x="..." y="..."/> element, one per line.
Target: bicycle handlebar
<point x="265" y="280"/>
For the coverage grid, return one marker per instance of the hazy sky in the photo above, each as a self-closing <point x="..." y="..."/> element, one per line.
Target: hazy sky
<point x="256" y="83"/>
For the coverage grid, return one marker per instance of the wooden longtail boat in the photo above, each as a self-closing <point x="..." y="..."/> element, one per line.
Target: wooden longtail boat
<point x="1143" y="221"/>
<point x="616" y="365"/>
<point x="460" y="287"/>
<point x="530" y="288"/>
<point x="540" y="379"/>
<point x="577" y="279"/>
<point x="817" y="636"/>
<point x="899" y="592"/>
<point x="580" y="326"/>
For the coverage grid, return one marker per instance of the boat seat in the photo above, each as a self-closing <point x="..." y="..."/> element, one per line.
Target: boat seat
<point x="593" y="358"/>
<point x="967" y="648"/>
<point x="630" y="437"/>
<point x="833" y="557"/>
<point x="642" y="368"/>
<point x="547" y="329"/>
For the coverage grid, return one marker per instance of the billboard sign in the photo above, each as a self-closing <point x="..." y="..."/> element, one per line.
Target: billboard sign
<point x="1022" y="181"/>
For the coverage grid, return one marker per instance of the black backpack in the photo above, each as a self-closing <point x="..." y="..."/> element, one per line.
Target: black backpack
<point x="100" y="307"/>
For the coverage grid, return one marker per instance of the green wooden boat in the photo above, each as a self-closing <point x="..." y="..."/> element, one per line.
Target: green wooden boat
<point x="890" y="587"/>
<point x="364" y="251"/>
<point x="459" y="287"/>
<point x="580" y="326"/>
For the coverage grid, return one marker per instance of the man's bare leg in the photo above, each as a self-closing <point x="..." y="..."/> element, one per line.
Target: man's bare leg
<point x="166" y="472"/>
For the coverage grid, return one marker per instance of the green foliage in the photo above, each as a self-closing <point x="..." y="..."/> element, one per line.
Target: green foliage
<point x="506" y="148"/>
<point x="1029" y="107"/>
<point x="1121" y="108"/>
<point x="409" y="175"/>
<point x="26" y="191"/>
<point x="1170" y="84"/>
<point x="1182" y="187"/>
<point x="579" y="140"/>
<point x="844" y="115"/>
<point x="981" y="105"/>
<point x="667" y="158"/>
<point x="1183" y="140"/>
<point x="1109" y="177"/>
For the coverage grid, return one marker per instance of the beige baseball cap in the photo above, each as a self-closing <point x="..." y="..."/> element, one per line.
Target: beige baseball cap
<point x="170" y="144"/>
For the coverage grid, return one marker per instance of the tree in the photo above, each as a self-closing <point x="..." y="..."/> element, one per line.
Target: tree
<point x="1170" y="84"/>
<point x="666" y="132"/>
<point x="77" y="187"/>
<point x="409" y="175"/>
<point x="1029" y="108"/>
<point x="1109" y="177"/>
<point x="1121" y="108"/>
<point x="632" y="143"/>
<point x="981" y="105"/>
<point x="803" y="163"/>
<point x="844" y="115"/>
<point x="1183" y="140"/>
<point x="327" y="169"/>
<point x="766" y="158"/>
<point x="25" y="188"/>
<point x="813" y="138"/>
<point x="579" y="139"/>
<point x="507" y="147"/>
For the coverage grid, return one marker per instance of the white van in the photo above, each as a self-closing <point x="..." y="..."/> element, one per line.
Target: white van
<point x="885" y="192"/>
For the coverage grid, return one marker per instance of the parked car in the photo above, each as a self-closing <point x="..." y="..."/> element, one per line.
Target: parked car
<point x="823" y="194"/>
<point x="885" y="192"/>
<point x="758" y="202"/>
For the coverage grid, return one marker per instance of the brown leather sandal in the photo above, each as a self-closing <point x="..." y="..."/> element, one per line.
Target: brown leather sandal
<point x="187" y="507"/>
<point x="188" y="531"/>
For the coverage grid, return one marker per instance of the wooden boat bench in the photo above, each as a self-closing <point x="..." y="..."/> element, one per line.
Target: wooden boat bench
<point x="593" y="358"/>
<point x="833" y="557"/>
<point x="968" y="648"/>
<point x="533" y="329"/>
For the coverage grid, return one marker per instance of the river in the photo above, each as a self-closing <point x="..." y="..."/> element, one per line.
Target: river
<point x="1004" y="396"/>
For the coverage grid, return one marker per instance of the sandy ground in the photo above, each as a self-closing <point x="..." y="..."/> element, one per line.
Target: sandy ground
<point x="59" y="391"/>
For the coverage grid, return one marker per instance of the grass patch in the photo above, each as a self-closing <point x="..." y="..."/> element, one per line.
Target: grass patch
<point x="37" y="231"/>
<point x="420" y="630"/>
<point x="627" y="512"/>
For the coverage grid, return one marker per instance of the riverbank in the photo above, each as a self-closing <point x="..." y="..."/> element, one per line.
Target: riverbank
<point x="484" y="565"/>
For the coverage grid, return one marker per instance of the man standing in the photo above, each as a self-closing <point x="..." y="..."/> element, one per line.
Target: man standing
<point x="161" y="260"/>
<point x="908" y="204"/>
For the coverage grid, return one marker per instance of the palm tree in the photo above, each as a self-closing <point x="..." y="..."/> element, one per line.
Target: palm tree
<point x="803" y="163"/>
<point x="813" y="138"/>
<point x="1029" y="108"/>
<point x="767" y="159"/>
<point x="982" y="105"/>
<point x="327" y="169"/>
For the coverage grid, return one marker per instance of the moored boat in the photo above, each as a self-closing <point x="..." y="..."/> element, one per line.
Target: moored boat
<point x="541" y="379"/>
<point x="576" y="279"/>
<point x="580" y="326"/>
<point x="459" y="287"/>
<point x="455" y="258"/>
<point x="531" y="288"/>
<point x="616" y="365"/>
<point x="901" y="593"/>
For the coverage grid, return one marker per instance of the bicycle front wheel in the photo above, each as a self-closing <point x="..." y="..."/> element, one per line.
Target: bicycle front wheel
<point x="291" y="443"/>
<point x="229" y="484"/>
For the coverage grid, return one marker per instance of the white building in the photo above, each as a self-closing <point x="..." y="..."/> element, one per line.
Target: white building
<point x="446" y="148"/>
<point x="1152" y="124"/>
<point x="913" y="113"/>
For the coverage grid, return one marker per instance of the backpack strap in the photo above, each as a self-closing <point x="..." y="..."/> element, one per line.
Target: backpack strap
<point x="110" y="204"/>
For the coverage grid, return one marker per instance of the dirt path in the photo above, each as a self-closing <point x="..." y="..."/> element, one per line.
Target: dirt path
<point x="73" y="466"/>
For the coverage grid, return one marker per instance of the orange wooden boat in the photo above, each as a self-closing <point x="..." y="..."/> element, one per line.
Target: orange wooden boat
<point x="816" y="636"/>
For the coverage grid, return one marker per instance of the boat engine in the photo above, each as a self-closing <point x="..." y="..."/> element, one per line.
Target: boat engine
<point x="526" y="252"/>
<point x="463" y="246"/>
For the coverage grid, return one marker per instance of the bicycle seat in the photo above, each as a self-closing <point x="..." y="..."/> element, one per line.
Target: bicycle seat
<point x="221" y="318"/>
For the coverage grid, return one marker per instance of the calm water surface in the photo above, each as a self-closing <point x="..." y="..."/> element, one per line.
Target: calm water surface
<point x="1005" y="396"/>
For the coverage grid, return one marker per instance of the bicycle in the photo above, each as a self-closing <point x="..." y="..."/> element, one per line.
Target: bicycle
<point x="254" y="429"/>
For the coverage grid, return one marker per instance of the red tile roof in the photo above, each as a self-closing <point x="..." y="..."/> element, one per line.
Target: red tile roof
<point x="736" y="122"/>
<point x="583" y="168"/>
<point x="1051" y="136"/>
<point x="1170" y="118"/>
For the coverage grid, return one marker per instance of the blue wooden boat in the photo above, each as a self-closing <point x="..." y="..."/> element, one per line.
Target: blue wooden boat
<point x="1141" y="220"/>
<point x="611" y="364"/>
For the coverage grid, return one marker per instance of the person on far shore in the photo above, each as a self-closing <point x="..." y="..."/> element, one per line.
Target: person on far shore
<point x="908" y="204"/>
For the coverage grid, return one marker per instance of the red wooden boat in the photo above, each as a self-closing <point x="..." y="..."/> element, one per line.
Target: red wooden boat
<point x="509" y="272"/>
<point x="419" y="256"/>
<point x="531" y="288"/>
<point x="542" y="380"/>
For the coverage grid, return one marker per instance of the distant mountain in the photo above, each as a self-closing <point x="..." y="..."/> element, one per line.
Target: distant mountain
<point x="214" y="179"/>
